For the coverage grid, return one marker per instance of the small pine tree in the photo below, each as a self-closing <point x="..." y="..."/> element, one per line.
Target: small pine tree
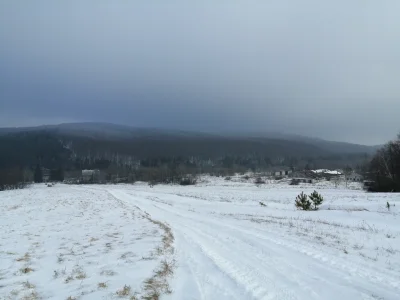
<point x="316" y="199"/>
<point x="38" y="176"/>
<point x="302" y="202"/>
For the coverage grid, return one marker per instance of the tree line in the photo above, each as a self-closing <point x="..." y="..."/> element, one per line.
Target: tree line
<point x="24" y="156"/>
<point x="384" y="168"/>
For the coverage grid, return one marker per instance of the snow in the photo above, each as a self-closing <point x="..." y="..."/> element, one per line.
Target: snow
<point x="226" y="245"/>
<point x="326" y="171"/>
<point x="73" y="239"/>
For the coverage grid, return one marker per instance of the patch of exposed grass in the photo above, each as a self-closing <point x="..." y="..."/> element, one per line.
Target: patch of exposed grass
<point x="26" y="270"/>
<point x="157" y="285"/>
<point x="390" y="250"/>
<point x="127" y="254"/>
<point x="166" y="269"/>
<point x="153" y="289"/>
<point x="31" y="296"/>
<point x="102" y="285"/>
<point x="358" y="247"/>
<point x="148" y="257"/>
<point x="28" y="285"/>
<point x="369" y="257"/>
<point x="124" y="292"/>
<point x="14" y="207"/>
<point x="60" y="258"/>
<point x="108" y="273"/>
<point x="81" y="275"/>
<point x="26" y="257"/>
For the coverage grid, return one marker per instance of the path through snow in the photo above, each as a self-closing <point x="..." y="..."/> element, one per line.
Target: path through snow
<point x="226" y="245"/>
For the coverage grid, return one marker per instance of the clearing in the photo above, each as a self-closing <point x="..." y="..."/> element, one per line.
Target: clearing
<point x="209" y="241"/>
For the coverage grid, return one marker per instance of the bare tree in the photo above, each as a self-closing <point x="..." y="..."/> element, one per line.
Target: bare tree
<point x="385" y="166"/>
<point x="347" y="172"/>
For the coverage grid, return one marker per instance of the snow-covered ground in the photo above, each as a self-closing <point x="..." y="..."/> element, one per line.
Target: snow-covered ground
<point x="70" y="243"/>
<point x="210" y="241"/>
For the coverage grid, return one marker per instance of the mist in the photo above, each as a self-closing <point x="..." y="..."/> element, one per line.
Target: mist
<point x="328" y="70"/>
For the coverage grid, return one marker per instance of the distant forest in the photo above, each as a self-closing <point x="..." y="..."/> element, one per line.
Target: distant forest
<point x="154" y="156"/>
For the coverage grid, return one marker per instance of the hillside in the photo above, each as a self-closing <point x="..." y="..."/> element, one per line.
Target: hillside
<point x="330" y="146"/>
<point x="54" y="145"/>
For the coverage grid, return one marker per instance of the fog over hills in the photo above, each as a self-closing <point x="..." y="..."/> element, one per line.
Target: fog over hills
<point x="154" y="141"/>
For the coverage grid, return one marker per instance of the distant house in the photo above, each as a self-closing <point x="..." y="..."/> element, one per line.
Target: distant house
<point x="369" y="185"/>
<point x="90" y="175"/>
<point x="354" y="177"/>
<point x="296" y="181"/>
<point x="282" y="172"/>
<point x="327" y="172"/>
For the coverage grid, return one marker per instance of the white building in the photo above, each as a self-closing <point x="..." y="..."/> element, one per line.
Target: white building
<point x="354" y="177"/>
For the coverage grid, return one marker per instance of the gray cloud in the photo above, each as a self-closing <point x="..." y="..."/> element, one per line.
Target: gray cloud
<point x="312" y="68"/>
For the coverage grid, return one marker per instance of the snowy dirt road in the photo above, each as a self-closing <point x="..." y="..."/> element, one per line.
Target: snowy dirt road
<point x="227" y="246"/>
<point x="224" y="257"/>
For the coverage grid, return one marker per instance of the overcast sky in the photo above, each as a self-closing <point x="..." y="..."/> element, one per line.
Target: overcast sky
<point x="330" y="70"/>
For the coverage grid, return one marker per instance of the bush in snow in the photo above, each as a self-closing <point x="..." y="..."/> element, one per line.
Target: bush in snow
<point x="316" y="199"/>
<point x="188" y="180"/>
<point x="310" y="202"/>
<point x="259" y="180"/>
<point x="295" y="182"/>
<point x="302" y="202"/>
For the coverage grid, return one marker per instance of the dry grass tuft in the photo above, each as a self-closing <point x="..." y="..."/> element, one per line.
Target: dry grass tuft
<point x="108" y="273"/>
<point x="26" y="270"/>
<point x="31" y="296"/>
<point x="60" y="258"/>
<point x="157" y="285"/>
<point x="102" y="285"/>
<point x="148" y="258"/>
<point x="81" y="275"/>
<point x="167" y="269"/>
<point x="127" y="255"/>
<point x="28" y="285"/>
<point x="153" y="287"/>
<point x="152" y="296"/>
<point x="125" y="291"/>
<point x="26" y="257"/>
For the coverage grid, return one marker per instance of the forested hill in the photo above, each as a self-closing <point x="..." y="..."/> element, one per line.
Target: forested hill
<point x="63" y="145"/>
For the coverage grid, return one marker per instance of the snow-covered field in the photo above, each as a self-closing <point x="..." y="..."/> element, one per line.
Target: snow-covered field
<point x="209" y="241"/>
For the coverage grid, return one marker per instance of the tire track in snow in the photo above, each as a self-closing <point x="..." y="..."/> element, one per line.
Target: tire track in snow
<point x="347" y="275"/>
<point x="268" y="268"/>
